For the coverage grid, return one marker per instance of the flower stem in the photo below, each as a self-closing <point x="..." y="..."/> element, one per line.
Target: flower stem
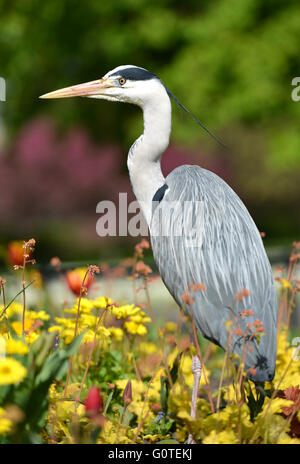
<point x="75" y="330"/>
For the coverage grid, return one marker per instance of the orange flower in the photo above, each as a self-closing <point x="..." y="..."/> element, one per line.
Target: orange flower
<point x="15" y="251"/>
<point x="19" y="251"/>
<point x="75" y="279"/>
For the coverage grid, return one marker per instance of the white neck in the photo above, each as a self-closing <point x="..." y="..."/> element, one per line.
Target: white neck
<point x="145" y="154"/>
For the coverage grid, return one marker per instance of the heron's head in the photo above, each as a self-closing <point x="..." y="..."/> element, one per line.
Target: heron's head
<point x="128" y="83"/>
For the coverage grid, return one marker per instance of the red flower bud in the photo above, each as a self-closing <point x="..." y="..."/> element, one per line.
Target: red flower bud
<point x="93" y="402"/>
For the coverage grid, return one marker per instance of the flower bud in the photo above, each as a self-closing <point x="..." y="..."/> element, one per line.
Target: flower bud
<point x="93" y="402"/>
<point x="127" y="394"/>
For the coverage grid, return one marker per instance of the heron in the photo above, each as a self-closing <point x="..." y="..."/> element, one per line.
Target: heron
<point x="200" y="230"/>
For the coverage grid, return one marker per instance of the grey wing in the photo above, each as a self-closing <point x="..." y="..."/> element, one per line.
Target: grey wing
<point x="202" y="232"/>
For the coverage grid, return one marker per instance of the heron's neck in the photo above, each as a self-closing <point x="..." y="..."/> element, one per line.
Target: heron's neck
<point x="145" y="154"/>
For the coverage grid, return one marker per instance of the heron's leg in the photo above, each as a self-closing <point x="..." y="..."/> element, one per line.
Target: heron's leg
<point x="196" y="369"/>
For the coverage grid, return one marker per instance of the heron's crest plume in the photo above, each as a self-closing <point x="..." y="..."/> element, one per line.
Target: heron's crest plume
<point x="180" y="105"/>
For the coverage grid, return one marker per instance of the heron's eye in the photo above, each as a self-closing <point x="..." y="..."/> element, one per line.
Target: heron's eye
<point x="122" y="80"/>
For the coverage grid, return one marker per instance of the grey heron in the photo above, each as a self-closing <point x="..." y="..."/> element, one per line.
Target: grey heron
<point x="224" y="252"/>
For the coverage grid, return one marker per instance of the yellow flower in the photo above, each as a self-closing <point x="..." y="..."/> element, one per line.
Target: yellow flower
<point x="88" y="336"/>
<point x="134" y="328"/>
<point x="171" y="326"/>
<point x="102" y="302"/>
<point x="15" y="347"/>
<point x="32" y="337"/>
<point x="68" y="323"/>
<point x="285" y="284"/>
<point x="42" y="315"/>
<point x="5" y="424"/>
<point x="117" y="333"/>
<point x="68" y="335"/>
<point x="55" y="328"/>
<point x="11" y="371"/>
<point x="140" y="319"/>
<point x="89" y="320"/>
<point x="122" y="312"/>
<point x="17" y="326"/>
<point x="86" y="306"/>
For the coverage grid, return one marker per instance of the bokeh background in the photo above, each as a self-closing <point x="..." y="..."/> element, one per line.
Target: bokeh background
<point x="230" y="62"/>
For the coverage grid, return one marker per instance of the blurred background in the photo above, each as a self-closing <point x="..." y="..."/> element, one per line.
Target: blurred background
<point x="230" y="62"/>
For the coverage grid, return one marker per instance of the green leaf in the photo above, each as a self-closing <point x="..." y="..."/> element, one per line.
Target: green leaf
<point x="167" y="441"/>
<point x="108" y="401"/>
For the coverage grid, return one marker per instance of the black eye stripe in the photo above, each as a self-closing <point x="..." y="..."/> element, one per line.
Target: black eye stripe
<point x="135" y="74"/>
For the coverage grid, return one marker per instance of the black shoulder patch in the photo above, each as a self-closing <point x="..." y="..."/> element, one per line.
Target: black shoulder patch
<point x="159" y="194"/>
<point x="135" y="74"/>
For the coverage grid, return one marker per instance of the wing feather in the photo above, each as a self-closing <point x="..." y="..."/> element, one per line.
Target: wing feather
<point x="202" y="232"/>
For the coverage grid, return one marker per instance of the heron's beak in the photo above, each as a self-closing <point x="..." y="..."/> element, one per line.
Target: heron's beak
<point x="87" y="89"/>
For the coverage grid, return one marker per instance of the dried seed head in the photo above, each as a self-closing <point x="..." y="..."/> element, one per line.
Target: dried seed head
<point x="142" y="268"/>
<point x="93" y="269"/>
<point x="195" y="287"/>
<point x="186" y="298"/>
<point x="56" y="263"/>
<point x="239" y="296"/>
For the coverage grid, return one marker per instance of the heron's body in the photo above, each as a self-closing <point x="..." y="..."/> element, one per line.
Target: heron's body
<point x="226" y="254"/>
<point x="225" y="251"/>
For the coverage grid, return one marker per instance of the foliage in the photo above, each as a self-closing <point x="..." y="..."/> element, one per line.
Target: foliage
<point x="230" y="62"/>
<point x="131" y="386"/>
<point x="243" y="54"/>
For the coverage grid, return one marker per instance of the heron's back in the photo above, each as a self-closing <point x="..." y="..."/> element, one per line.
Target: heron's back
<point x="202" y="232"/>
